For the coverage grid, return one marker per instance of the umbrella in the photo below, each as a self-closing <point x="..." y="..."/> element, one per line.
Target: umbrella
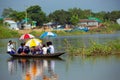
<point x="33" y="42"/>
<point x="48" y="34"/>
<point x="26" y="36"/>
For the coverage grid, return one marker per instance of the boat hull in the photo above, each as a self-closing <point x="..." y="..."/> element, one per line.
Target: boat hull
<point x="37" y="55"/>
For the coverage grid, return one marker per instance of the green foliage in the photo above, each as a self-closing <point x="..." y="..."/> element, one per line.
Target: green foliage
<point x="74" y="20"/>
<point x="35" y="13"/>
<point x="114" y="26"/>
<point x="7" y="33"/>
<point x="17" y="16"/>
<point x="82" y="14"/>
<point x="60" y="16"/>
<point x="98" y="49"/>
<point x="111" y="47"/>
<point x="7" y="12"/>
<point x="115" y="45"/>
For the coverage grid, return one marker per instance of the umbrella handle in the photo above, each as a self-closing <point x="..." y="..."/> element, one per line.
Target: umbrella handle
<point x="15" y="46"/>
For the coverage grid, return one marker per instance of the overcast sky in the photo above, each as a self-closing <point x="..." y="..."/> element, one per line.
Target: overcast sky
<point x="52" y="5"/>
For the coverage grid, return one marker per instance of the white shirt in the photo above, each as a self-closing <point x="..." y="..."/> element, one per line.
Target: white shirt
<point x="51" y="47"/>
<point x="10" y="47"/>
<point x="44" y="50"/>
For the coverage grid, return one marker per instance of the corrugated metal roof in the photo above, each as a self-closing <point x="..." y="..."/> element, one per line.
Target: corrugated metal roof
<point x="10" y="21"/>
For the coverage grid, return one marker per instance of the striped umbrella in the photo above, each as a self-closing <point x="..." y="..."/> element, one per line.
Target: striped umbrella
<point x="48" y="34"/>
<point x="26" y="36"/>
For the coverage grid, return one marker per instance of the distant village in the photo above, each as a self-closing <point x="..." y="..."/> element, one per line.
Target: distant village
<point x="83" y="24"/>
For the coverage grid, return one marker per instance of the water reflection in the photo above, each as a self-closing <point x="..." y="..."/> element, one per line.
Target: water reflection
<point x="33" y="69"/>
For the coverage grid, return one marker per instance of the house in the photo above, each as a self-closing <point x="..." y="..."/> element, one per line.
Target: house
<point x="11" y="24"/>
<point x="88" y="23"/>
<point x="118" y="21"/>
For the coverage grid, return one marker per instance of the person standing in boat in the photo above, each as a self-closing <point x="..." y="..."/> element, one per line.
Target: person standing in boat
<point x="10" y="47"/>
<point x="50" y="48"/>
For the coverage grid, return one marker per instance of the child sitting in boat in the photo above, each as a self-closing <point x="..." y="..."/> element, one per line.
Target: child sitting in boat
<point x="26" y="49"/>
<point x="33" y="50"/>
<point x="10" y="47"/>
<point x="21" y="48"/>
<point x="44" y="49"/>
<point x="50" y="47"/>
<point x="38" y="49"/>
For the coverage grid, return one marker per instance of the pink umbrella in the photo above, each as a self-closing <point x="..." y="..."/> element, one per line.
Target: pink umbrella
<point x="26" y="36"/>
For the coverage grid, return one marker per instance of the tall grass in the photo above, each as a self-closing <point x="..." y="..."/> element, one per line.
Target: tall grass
<point x="115" y="46"/>
<point x="111" y="47"/>
<point x="98" y="49"/>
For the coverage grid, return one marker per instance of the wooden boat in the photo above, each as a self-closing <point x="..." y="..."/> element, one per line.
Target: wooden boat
<point x="38" y="55"/>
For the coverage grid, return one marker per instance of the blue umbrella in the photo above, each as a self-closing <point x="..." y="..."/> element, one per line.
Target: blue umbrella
<point x="48" y="34"/>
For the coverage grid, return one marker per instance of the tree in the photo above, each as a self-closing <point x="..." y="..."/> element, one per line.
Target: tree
<point x="17" y="16"/>
<point x="114" y="15"/>
<point x="36" y="14"/>
<point x="7" y="12"/>
<point x="60" y="16"/>
<point x="74" y="19"/>
<point x="100" y="15"/>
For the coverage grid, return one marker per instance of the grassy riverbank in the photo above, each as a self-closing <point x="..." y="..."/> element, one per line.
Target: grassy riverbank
<point x="7" y="33"/>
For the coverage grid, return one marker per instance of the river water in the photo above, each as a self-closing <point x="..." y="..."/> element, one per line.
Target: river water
<point x="63" y="68"/>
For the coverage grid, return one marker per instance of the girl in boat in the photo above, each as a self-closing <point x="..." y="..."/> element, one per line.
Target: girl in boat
<point x="21" y="48"/>
<point x="44" y="49"/>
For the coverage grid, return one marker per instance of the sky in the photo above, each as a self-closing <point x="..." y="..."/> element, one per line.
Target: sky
<point x="49" y="6"/>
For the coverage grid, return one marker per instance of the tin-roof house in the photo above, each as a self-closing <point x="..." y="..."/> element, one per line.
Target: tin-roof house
<point x="11" y="24"/>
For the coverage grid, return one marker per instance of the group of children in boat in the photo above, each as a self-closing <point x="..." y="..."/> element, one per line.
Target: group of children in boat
<point x="23" y="49"/>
